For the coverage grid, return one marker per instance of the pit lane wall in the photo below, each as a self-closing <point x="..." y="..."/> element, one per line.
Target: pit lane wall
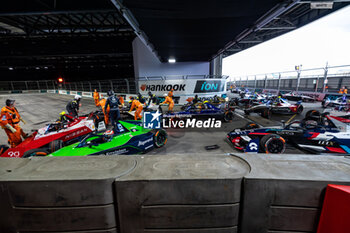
<point x="192" y="193"/>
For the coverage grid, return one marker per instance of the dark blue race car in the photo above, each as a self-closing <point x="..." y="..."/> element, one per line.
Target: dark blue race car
<point x="316" y="134"/>
<point x="204" y="110"/>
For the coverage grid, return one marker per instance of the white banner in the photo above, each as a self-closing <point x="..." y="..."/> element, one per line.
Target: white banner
<point x="63" y="92"/>
<point x="51" y="91"/>
<point x="73" y="92"/>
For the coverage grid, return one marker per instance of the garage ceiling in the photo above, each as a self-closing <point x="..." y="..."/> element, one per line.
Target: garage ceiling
<point x="197" y="30"/>
<point x="94" y="38"/>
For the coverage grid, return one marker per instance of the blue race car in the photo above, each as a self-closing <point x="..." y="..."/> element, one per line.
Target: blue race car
<point x="204" y="110"/>
<point x="316" y="134"/>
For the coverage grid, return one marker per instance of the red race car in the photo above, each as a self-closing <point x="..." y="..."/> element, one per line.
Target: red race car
<point x="54" y="136"/>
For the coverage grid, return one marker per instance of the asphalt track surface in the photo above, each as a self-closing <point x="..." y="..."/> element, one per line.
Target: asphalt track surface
<point x="40" y="109"/>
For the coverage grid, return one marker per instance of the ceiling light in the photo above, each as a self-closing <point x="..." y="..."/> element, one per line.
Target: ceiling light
<point x="37" y="68"/>
<point x="10" y="68"/>
<point x="171" y="60"/>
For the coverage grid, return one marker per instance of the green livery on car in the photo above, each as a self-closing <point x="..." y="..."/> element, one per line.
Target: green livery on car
<point x="132" y="138"/>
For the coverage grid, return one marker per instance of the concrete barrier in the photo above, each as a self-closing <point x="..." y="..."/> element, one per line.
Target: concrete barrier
<point x="183" y="193"/>
<point x="65" y="195"/>
<point x="167" y="193"/>
<point x="285" y="193"/>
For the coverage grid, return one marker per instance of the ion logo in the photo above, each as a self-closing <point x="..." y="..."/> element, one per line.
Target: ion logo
<point x="151" y="120"/>
<point x="203" y="86"/>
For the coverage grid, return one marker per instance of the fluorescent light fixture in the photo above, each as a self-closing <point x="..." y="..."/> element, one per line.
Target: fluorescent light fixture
<point x="171" y="60"/>
<point x="10" y="68"/>
<point x="37" y="68"/>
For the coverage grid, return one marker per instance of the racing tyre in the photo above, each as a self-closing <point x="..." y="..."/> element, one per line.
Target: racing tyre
<point x="251" y="126"/>
<point x="246" y="112"/>
<point x="300" y="109"/>
<point x="36" y="152"/>
<point x="324" y="105"/>
<point x="55" y="145"/>
<point x="273" y="143"/>
<point x="3" y="148"/>
<point x="228" y="116"/>
<point x="160" y="138"/>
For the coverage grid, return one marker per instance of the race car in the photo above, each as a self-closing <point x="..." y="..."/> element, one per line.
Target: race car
<point x="54" y="136"/>
<point x="203" y="110"/>
<point x="278" y="105"/>
<point x="132" y="138"/>
<point x="298" y="97"/>
<point x="316" y="133"/>
<point x="339" y="102"/>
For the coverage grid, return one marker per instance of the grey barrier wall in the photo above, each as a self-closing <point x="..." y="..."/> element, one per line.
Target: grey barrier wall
<point x="285" y="193"/>
<point x="161" y="193"/>
<point x="60" y="194"/>
<point x="183" y="193"/>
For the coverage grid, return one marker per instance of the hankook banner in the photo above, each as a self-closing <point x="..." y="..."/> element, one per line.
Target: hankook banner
<point x="184" y="88"/>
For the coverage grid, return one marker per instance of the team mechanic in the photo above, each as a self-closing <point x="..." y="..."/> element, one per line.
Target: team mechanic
<point x="73" y="106"/>
<point x="136" y="104"/>
<point x="113" y="103"/>
<point x="10" y="119"/>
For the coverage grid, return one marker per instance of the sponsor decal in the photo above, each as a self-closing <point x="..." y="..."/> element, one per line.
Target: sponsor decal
<point x="203" y="86"/>
<point x="165" y="87"/>
<point x="117" y="152"/>
<point x="151" y="120"/>
<point x="142" y="143"/>
<point x="148" y="147"/>
<point x="75" y="134"/>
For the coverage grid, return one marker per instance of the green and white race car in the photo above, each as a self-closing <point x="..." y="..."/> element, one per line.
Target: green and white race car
<point x="131" y="139"/>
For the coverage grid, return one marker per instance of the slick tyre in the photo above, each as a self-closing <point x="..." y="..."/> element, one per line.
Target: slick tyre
<point x="55" y="145"/>
<point x="36" y="152"/>
<point x="160" y="138"/>
<point x="273" y="144"/>
<point x="3" y="148"/>
<point x="228" y="116"/>
<point x="300" y="109"/>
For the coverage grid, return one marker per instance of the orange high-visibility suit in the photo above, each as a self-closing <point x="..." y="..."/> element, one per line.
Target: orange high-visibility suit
<point x="345" y="91"/>
<point x="10" y="119"/>
<point x="171" y="93"/>
<point x="121" y="100"/>
<point x="136" y="104"/>
<point x="170" y="101"/>
<point x="102" y="103"/>
<point x="96" y="98"/>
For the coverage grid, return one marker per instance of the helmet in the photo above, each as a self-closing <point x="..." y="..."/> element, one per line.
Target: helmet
<point x="131" y="97"/>
<point x="149" y="93"/>
<point x="62" y="113"/>
<point x="77" y="97"/>
<point x="10" y="102"/>
<point x="165" y="95"/>
<point x="110" y="93"/>
<point x="108" y="135"/>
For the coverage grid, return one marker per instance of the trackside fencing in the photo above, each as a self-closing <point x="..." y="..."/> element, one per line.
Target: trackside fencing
<point x="118" y="85"/>
<point x="325" y="80"/>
